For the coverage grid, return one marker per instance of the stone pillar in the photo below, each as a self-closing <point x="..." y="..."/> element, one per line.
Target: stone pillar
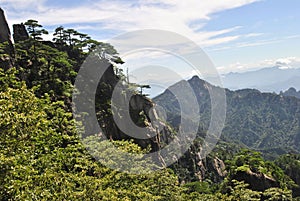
<point x="20" y="33"/>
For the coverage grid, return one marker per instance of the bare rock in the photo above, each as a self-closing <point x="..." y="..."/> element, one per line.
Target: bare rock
<point x="257" y="181"/>
<point x="20" y="33"/>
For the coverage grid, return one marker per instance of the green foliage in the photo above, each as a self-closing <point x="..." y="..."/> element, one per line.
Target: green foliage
<point x="277" y="194"/>
<point x="35" y="30"/>
<point x="9" y="80"/>
<point x="247" y="160"/>
<point x="41" y="158"/>
<point x="290" y="164"/>
<point x="119" y="155"/>
<point x="47" y="68"/>
<point x="199" y="187"/>
<point x="242" y="193"/>
<point x="249" y="163"/>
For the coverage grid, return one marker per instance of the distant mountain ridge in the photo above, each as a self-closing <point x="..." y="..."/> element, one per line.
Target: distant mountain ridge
<point x="291" y="92"/>
<point x="273" y="79"/>
<point x="261" y="121"/>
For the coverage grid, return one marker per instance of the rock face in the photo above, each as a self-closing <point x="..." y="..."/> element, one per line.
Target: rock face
<point x="212" y="166"/>
<point x="4" y="29"/>
<point x="219" y="166"/>
<point x="191" y="167"/>
<point x="257" y="182"/>
<point x="19" y="33"/>
<point x="139" y="121"/>
<point x="6" y="60"/>
<point x="123" y="113"/>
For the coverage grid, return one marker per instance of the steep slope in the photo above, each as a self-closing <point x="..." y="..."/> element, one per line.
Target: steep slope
<point x="261" y="121"/>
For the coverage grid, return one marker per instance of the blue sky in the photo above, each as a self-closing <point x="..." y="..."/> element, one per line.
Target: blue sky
<point x="238" y="35"/>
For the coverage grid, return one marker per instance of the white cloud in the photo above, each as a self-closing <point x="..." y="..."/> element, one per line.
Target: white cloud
<point x="257" y="43"/>
<point x="120" y="15"/>
<point x="288" y="62"/>
<point x="247" y="43"/>
<point x="253" y="35"/>
<point x="282" y="63"/>
<point x="23" y="4"/>
<point x="293" y="36"/>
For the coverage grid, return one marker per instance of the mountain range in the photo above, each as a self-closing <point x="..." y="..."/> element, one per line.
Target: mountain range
<point x="272" y="79"/>
<point x="262" y="121"/>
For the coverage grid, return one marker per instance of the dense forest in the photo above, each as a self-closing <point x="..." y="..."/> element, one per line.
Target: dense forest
<point x="43" y="158"/>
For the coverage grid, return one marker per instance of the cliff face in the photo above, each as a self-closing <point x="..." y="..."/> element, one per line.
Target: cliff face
<point x="4" y="29"/>
<point x="191" y="167"/>
<point x="126" y="114"/>
<point x="6" y="60"/>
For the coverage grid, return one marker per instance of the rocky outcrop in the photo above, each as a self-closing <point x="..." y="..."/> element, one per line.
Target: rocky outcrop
<point x="211" y="168"/>
<point x="20" y="33"/>
<point x="219" y="166"/>
<point x="122" y="113"/>
<point x="137" y="119"/>
<point x="192" y="167"/>
<point x="256" y="181"/>
<point x="6" y="60"/>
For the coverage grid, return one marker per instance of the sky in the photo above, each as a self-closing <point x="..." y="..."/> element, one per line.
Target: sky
<point x="237" y="35"/>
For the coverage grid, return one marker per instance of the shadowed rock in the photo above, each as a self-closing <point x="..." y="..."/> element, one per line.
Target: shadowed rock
<point x="4" y="29"/>
<point x="19" y="33"/>
<point x="6" y="61"/>
<point x="257" y="181"/>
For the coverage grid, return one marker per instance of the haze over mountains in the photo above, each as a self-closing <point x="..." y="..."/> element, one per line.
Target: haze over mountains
<point x="273" y="79"/>
<point x="262" y="121"/>
<point x="270" y="79"/>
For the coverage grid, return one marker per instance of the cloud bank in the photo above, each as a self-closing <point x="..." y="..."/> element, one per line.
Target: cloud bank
<point x="118" y="16"/>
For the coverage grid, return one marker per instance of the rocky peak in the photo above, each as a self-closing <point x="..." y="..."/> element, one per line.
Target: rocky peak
<point x="6" y="61"/>
<point x="19" y="33"/>
<point x="4" y="29"/>
<point x="291" y="92"/>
